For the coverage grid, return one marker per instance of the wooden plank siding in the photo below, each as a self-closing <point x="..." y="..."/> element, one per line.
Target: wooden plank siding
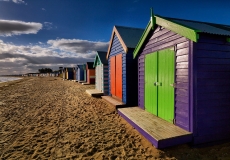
<point x="80" y="74"/>
<point x="102" y="78"/>
<point x="91" y="76"/>
<point x="212" y="107"/>
<point x="129" y="72"/>
<point x="160" y="39"/>
<point x="105" y="80"/>
<point x="115" y="49"/>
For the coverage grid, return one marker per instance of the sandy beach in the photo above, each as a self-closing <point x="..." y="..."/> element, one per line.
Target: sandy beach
<point x="48" y="118"/>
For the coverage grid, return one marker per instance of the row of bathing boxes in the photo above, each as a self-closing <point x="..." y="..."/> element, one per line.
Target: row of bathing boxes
<point x="170" y="81"/>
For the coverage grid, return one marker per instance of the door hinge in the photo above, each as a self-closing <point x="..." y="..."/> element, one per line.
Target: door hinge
<point x="173" y="85"/>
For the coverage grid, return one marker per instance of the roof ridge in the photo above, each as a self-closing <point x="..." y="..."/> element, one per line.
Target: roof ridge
<point x="194" y="21"/>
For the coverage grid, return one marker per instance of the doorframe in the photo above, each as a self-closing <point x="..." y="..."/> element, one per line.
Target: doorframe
<point x="174" y="48"/>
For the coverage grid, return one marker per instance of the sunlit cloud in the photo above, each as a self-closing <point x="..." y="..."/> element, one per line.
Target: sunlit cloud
<point x="15" y="1"/>
<point x="56" y="53"/>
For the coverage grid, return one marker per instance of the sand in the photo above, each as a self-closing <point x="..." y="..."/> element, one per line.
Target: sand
<point x="48" y="118"/>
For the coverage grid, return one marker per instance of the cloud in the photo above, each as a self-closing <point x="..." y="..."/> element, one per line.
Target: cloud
<point x="78" y="46"/>
<point x="48" y="25"/>
<point x="19" y="59"/>
<point x="43" y="9"/>
<point x="15" y="1"/>
<point x="13" y="27"/>
<point x="18" y="1"/>
<point x="30" y="59"/>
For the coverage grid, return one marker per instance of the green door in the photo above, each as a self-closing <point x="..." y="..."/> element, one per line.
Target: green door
<point x="150" y="79"/>
<point x="159" y="94"/>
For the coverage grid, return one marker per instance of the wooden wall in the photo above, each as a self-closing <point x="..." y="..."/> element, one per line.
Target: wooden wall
<point x="69" y="74"/>
<point x="159" y="39"/>
<point x="91" y="76"/>
<point x="211" y="88"/>
<point x="129" y="72"/>
<point x="74" y="74"/>
<point x="80" y="74"/>
<point x="115" y="50"/>
<point x="105" y="79"/>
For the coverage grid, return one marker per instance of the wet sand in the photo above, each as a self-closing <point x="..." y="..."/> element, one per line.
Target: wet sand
<point x="48" y="118"/>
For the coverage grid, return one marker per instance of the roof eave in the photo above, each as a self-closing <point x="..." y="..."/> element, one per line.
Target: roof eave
<point x="120" y="39"/>
<point x="97" y="58"/>
<point x="185" y="31"/>
<point x="142" y="39"/>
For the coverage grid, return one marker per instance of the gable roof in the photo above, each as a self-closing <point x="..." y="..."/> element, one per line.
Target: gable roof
<point x="128" y="37"/>
<point x="100" y="56"/>
<point x="187" y="28"/>
<point x="203" y="27"/>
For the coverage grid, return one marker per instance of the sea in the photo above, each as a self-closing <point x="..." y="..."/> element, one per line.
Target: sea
<point x="7" y="79"/>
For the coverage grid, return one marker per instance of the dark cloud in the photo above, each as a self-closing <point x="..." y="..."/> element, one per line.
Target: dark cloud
<point x="10" y="27"/>
<point x="45" y="59"/>
<point x="10" y="64"/>
<point x="78" y="46"/>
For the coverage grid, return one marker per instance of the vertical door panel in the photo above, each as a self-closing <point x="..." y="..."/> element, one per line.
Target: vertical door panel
<point x="99" y="78"/>
<point x="85" y="75"/>
<point x="113" y="75"/>
<point x="150" y="79"/>
<point x="119" y="76"/>
<point x="166" y="69"/>
<point x="88" y="75"/>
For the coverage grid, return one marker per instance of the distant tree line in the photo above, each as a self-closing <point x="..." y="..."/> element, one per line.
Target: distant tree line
<point x="45" y="70"/>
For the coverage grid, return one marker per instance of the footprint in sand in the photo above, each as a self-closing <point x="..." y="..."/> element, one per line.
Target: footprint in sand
<point x="2" y="104"/>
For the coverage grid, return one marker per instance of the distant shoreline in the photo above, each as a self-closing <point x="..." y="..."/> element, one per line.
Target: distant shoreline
<point x="4" y="79"/>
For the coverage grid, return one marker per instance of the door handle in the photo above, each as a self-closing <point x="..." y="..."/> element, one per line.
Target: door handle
<point x="157" y="83"/>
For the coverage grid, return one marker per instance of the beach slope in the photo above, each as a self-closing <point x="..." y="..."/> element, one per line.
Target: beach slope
<point x="48" y="118"/>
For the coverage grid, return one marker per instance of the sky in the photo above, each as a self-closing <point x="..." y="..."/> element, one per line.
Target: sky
<point x="38" y="34"/>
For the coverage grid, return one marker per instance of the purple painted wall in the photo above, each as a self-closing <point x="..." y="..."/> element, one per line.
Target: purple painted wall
<point x="211" y="88"/>
<point x="202" y="76"/>
<point x="159" y="39"/>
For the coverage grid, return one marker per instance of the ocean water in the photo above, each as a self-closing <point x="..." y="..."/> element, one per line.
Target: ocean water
<point x="6" y="79"/>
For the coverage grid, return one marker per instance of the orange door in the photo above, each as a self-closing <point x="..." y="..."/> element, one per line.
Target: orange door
<point x="113" y="75"/>
<point x="119" y="76"/>
<point x="88" y="76"/>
